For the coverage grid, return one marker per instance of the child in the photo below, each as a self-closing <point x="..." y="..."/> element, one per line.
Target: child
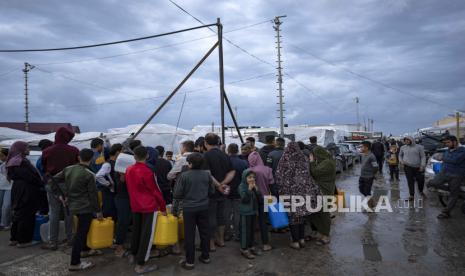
<point x="194" y="188"/>
<point x="80" y="193"/>
<point x="169" y="157"/>
<point x="248" y="210"/>
<point x="393" y="161"/>
<point x="368" y="170"/>
<point x="146" y="201"/>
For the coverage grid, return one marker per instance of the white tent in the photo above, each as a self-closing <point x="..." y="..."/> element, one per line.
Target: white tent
<point x="9" y="134"/>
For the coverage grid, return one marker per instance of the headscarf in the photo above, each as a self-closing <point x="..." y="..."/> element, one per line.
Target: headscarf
<point x="264" y="174"/>
<point x="153" y="156"/>
<point x="17" y="154"/>
<point x="294" y="179"/>
<point x="321" y="154"/>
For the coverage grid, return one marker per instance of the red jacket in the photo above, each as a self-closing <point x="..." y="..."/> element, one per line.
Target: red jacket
<point x="61" y="155"/>
<point x="144" y="194"/>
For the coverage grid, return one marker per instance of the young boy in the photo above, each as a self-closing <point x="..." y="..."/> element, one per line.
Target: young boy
<point x="194" y="188"/>
<point x="169" y="157"/>
<point x="80" y="193"/>
<point x="392" y="157"/>
<point x="368" y="170"/>
<point x="248" y="210"/>
<point x="146" y="201"/>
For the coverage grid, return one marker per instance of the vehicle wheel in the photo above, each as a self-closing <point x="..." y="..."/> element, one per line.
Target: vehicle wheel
<point x="444" y="198"/>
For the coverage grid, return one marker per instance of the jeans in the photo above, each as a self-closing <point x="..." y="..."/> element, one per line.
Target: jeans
<point x="454" y="182"/>
<point x="55" y="208"/>
<point x="80" y="239"/>
<point x="413" y="174"/>
<point x="124" y="215"/>
<point x="192" y="220"/>
<point x="5" y="203"/>
<point x="232" y="216"/>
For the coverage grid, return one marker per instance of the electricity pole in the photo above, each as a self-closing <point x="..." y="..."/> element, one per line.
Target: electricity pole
<point x="277" y="24"/>
<point x="358" y="114"/>
<point x="27" y="68"/>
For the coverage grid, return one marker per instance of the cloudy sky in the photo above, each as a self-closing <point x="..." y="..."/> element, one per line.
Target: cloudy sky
<point x="403" y="59"/>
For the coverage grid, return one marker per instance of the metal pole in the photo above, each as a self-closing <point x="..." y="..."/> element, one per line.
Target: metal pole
<point x="221" y="70"/>
<point x="175" y="90"/>
<point x="233" y="117"/>
<point x="27" y="68"/>
<point x="278" y="23"/>
<point x="358" y="114"/>
<point x="457" y="117"/>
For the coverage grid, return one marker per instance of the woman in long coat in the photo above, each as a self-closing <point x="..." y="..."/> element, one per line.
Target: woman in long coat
<point x="294" y="179"/>
<point x="24" y="194"/>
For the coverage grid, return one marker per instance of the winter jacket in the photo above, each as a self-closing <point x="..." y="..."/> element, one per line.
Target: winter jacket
<point x="249" y="198"/>
<point x="273" y="159"/>
<point x="378" y="149"/>
<point x="162" y="168"/>
<point x="323" y="170"/>
<point x="61" y="155"/>
<point x="79" y="188"/>
<point x="454" y="162"/>
<point x="412" y="155"/>
<point x="144" y="194"/>
<point x="264" y="151"/>
<point x="194" y="188"/>
<point x="239" y="166"/>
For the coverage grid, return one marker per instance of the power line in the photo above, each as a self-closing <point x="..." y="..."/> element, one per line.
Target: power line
<point x="107" y="43"/>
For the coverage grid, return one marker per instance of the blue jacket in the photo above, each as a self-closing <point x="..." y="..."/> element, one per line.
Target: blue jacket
<point x="454" y="162"/>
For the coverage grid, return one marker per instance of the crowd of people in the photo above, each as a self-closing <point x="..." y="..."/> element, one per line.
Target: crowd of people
<point x="217" y="189"/>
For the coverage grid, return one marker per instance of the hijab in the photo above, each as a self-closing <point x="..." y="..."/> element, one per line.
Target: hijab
<point x="17" y="154"/>
<point x="264" y="174"/>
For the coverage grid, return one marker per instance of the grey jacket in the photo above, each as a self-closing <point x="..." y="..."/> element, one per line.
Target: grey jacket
<point x="412" y="155"/>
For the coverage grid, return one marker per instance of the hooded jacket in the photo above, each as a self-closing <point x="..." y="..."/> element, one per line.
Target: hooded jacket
<point x="249" y="198"/>
<point x="265" y="150"/>
<point x="323" y="171"/>
<point x="454" y="162"/>
<point x="264" y="174"/>
<point x="412" y="155"/>
<point x="61" y="155"/>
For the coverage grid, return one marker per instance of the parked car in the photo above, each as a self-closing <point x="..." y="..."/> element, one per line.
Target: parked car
<point x="348" y="155"/>
<point x="356" y="155"/>
<point x="341" y="159"/>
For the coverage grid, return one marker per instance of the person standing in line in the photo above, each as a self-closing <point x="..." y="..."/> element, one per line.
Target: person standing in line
<point x="392" y="158"/>
<point x="266" y="149"/>
<point x="223" y="173"/>
<point x="294" y="179"/>
<point x="412" y="157"/>
<point x="264" y="180"/>
<point x="377" y="148"/>
<point x="54" y="160"/>
<point x="313" y="143"/>
<point x="26" y="185"/>
<point x="162" y="168"/>
<point x="233" y="199"/>
<point x="194" y="188"/>
<point x="452" y="172"/>
<point x="368" y="170"/>
<point x="251" y="142"/>
<point x="273" y="157"/>
<point x="323" y="170"/>
<point x="5" y="193"/>
<point x="200" y="145"/>
<point x="80" y="193"/>
<point x="246" y="149"/>
<point x="98" y="159"/>
<point x="43" y="201"/>
<point x="146" y="202"/>
<point x="187" y="147"/>
<point x="169" y="157"/>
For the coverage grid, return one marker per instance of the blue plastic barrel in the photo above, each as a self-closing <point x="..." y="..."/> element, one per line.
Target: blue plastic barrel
<point x="277" y="215"/>
<point x="40" y="219"/>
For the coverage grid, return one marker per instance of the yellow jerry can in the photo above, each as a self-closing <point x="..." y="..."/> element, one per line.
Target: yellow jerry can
<point x="166" y="230"/>
<point x="341" y="199"/>
<point x="100" y="233"/>
<point x="181" y="227"/>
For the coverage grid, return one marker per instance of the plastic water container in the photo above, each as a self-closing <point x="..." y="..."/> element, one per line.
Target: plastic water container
<point x="277" y="216"/>
<point x="100" y="233"/>
<point x="341" y="199"/>
<point x="123" y="162"/>
<point x="181" y="227"/>
<point x="437" y="167"/>
<point x="166" y="230"/>
<point x="40" y="219"/>
<point x="45" y="231"/>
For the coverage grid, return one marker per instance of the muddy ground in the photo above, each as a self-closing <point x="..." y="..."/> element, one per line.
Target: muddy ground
<point x="408" y="241"/>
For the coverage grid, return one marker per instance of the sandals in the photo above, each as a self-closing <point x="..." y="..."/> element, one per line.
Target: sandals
<point x="91" y="253"/>
<point x="81" y="266"/>
<point x="247" y="254"/>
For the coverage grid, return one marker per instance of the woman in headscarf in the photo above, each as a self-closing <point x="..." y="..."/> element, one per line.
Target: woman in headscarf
<point x="294" y="179"/>
<point x="26" y="186"/>
<point x="323" y="170"/>
<point x="263" y="178"/>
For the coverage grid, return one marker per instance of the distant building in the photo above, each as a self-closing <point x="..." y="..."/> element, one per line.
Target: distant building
<point x="39" y="128"/>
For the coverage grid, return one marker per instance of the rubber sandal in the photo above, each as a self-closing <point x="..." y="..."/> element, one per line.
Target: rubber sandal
<point x="82" y="266"/>
<point x="146" y="269"/>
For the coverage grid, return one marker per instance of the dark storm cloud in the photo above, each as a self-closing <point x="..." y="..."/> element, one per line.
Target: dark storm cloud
<point x="414" y="46"/>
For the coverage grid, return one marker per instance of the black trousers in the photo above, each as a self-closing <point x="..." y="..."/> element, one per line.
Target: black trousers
<point x="454" y="182"/>
<point x="297" y="231"/>
<point x="108" y="203"/>
<point x="80" y="239"/>
<point x="167" y="196"/>
<point x="22" y="228"/>
<point x="413" y="174"/>
<point x="24" y="207"/>
<point x="216" y="214"/>
<point x="262" y="217"/>
<point x="142" y="236"/>
<point x="380" y="161"/>
<point x="364" y="185"/>
<point x="124" y="215"/>
<point x="247" y="231"/>
<point x="193" y="219"/>
<point x="394" y="171"/>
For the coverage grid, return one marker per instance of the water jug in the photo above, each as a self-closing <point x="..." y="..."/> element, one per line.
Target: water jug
<point x="437" y="167"/>
<point x="341" y="199"/>
<point x="100" y="233"/>
<point x="166" y="230"/>
<point x="123" y="162"/>
<point x="45" y="231"/>
<point x="40" y="219"/>
<point x="277" y="215"/>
